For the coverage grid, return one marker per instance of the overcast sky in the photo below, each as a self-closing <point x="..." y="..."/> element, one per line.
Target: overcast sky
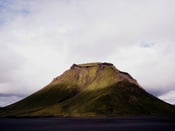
<point x="40" y="39"/>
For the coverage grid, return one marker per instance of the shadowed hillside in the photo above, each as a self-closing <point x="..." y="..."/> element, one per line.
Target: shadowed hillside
<point x="93" y="89"/>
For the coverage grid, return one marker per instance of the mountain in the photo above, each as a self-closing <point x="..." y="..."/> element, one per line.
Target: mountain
<point x="93" y="89"/>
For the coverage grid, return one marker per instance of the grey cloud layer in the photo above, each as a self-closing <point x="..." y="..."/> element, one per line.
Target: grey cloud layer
<point x="40" y="39"/>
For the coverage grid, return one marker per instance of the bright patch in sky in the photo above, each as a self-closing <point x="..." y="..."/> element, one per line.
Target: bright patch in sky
<point x="40" y="39"/>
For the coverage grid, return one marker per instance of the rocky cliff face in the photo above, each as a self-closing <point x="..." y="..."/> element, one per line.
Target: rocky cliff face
<point x="84" y="75"/>
<point x="93" y="89"/>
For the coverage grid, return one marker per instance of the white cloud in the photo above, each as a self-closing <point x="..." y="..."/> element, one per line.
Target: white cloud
<point x="9" y="99"/>
<point x="169" y="97"/>
<point x="40" y="39"/>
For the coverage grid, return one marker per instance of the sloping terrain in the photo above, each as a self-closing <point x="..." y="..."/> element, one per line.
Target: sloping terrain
<point x="93" y="89"/>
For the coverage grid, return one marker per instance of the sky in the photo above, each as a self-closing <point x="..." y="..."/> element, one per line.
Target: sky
<point x="40" y="39"/>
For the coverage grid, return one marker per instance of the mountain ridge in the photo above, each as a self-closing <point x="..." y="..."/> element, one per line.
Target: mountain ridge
<point x="98" y="67"/>
<point x="91" y="89"/>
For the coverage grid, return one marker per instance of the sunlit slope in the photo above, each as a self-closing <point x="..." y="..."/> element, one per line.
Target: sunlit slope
<point x="92" y="89"/>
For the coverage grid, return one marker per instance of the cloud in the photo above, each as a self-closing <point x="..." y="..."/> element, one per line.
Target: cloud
<point x="168" y="97"/>
<point x="9" y="98"/>
<point x="41" y="39"/>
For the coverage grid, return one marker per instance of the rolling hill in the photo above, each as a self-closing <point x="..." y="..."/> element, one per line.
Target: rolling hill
<point x="92" y="89"/>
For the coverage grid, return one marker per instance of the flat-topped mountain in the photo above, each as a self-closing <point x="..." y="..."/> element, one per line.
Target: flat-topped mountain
<point x="92" y="89"/>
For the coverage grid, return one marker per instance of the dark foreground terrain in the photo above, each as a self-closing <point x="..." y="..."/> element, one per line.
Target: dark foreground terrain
<point x="89" y="124"/>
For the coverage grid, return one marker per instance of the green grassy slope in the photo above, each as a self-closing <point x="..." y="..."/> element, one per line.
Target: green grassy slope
<point x="119" y="99"/>
<point x="93" y="89"/>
